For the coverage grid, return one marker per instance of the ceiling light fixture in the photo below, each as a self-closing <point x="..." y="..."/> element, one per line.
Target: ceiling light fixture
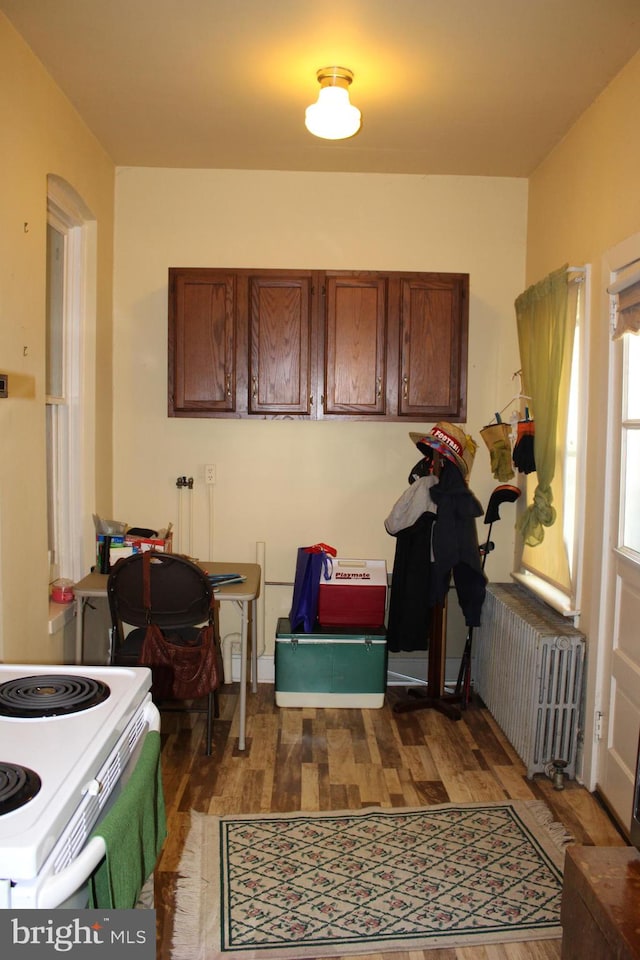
<point x="333" y="117"/>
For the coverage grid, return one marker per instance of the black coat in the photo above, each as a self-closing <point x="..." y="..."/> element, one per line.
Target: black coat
<point x="455" y="544"/>
<point x="410" y="601"/>
<point x="436" y="547"/>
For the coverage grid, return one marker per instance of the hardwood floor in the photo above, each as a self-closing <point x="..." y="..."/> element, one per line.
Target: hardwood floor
<point x="330" y="759"/>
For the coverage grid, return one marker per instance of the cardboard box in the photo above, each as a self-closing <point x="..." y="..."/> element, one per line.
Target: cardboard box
<point x="330" y="668"/>
<point x="117" y="549"/>
<point x="125" y="546"/>
<point x="142" y="544"/>
<point x="355" y="595"/>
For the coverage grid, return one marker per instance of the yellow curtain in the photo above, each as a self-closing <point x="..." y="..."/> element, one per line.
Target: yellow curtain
<point x="545" y="337"/>
<point x="550" y="559"/>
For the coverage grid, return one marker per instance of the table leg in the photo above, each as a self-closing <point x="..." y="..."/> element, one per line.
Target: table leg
<point x="244" y="631"/>
<point x="254" y="648"/>
<point x="79" y="628"/>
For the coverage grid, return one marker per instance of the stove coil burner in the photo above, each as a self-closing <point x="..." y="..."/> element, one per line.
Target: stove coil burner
<point x="50" y="695"/>
<point x="18" y="785"/>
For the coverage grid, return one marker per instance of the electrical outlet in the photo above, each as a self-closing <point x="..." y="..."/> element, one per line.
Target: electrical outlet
<point x="210" y="473"/>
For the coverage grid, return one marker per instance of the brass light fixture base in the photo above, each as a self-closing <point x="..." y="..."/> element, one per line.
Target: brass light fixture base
<point x="335" y="77"/>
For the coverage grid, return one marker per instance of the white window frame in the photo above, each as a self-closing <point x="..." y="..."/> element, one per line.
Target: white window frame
<point x="66" y="413"/>
<point x="624" y="423"/>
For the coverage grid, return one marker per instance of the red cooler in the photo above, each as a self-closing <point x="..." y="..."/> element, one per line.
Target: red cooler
<point x="356" y="594"/>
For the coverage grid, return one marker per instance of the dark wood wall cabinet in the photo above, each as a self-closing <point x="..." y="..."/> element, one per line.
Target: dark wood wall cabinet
<point x="318" y="344"/>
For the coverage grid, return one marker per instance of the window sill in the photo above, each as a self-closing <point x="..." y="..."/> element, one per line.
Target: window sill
<point x="632" y="557"/>
<point x="60" y="614"/>
<point x="561" y="602"/>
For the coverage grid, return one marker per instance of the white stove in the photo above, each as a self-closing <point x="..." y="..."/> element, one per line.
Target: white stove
<point x="67" y="735"/>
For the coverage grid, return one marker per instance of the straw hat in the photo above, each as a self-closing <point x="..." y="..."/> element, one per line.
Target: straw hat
<point x="450" y="441"/>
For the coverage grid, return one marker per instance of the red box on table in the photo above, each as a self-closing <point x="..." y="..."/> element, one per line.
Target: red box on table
<point x="142" y="544"/>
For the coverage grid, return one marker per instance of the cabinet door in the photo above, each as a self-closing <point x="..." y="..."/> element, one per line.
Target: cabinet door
<point x="202" y="341"/>
<point x="355" y="338"/>
<point x="433" y="346"/>
<point x="281" y="344"/>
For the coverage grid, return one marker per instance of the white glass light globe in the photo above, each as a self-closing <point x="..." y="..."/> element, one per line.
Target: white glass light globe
<point x="332" y="117"/>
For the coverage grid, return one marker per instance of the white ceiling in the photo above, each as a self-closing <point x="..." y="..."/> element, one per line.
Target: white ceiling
<point x="470" y="87"/>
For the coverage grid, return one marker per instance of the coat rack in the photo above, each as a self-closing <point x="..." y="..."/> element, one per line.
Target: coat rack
<point x="434" y="697"/>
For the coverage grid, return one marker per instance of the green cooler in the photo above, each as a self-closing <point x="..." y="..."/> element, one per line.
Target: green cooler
<point x="330" y="667"/>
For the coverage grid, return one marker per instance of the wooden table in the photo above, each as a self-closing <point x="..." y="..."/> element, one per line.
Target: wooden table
<point x="244" y="595"/>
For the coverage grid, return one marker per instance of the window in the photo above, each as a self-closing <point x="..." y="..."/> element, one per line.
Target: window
<point x="630" y="498"/>
<point x="569" y="457"/>
<point x="626" y="312"/>
<point x="65" y="262"/>
<point x="550" y="569"/>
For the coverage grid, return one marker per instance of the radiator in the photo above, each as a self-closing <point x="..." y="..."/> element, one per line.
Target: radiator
<point x="529" y="666"/>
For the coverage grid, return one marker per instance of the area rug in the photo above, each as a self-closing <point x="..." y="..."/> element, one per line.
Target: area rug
<point x="304" y="885"/>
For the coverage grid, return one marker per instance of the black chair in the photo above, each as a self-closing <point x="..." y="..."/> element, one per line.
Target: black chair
<point x="181" y="602"/>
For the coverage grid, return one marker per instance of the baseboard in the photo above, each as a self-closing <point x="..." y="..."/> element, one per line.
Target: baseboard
<point x="406" y="670"/>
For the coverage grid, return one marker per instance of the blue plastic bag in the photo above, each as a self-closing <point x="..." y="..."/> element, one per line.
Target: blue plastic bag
<point x="312" y="564"/>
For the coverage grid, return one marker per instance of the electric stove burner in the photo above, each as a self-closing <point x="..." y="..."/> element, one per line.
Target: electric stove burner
<point x="50" y="695"/>
<point x="18" y="785"/>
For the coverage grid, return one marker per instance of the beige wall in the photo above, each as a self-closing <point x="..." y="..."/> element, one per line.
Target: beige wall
<point x="289" y="483"/>
<point x="583" y="200"/>
<point x="284" y="483"/>
<point x="40" y="133"/>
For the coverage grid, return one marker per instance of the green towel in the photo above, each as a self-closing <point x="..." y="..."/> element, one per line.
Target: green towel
<point x="133" y="831"/>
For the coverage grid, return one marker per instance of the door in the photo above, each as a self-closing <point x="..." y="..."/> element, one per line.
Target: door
<point x="619" y="689"/>
<point x="355" y="341"/>
<point x="202" y="342"/>
<point x="433" y="345"/>
<point x="281" y="344"/>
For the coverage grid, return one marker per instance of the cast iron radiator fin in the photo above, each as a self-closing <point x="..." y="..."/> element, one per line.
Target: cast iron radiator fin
<point x="529" y="672"/>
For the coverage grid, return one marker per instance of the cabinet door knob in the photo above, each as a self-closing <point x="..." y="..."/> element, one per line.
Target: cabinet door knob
<point x="379" y="387"/>
<point x="254" y="381"/>
<point x="228" y="384"/>
<point x="405" y="391"/>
